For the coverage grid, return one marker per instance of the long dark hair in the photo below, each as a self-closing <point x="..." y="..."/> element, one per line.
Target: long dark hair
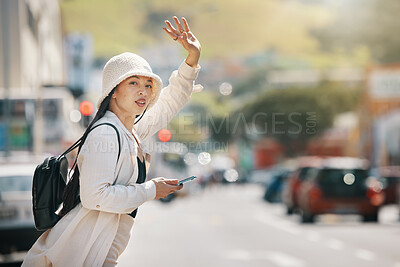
<point x="70" y="194"/>
<point x="70" y="199"/>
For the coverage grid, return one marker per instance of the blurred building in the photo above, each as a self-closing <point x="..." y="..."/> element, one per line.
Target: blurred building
<point x="31" y="46"/>
<point x="351" y="77"/>
<point x="31" y="58"/>
<point x="267" y="152"/>
<point x="79" y="52"/>
<point x="380" y="116"/>
<point x="341" y="140"/>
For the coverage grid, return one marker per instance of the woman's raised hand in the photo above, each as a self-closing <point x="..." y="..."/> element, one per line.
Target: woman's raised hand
<point x="186" y="38"/>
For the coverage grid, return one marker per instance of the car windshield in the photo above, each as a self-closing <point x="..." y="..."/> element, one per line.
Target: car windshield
<point x="343" y="182"/>
<point x="15" y="183"/>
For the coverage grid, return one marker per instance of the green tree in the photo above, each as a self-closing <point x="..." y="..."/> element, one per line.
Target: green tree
<point x="295" y="115"/>
<point x="364" y="23"/>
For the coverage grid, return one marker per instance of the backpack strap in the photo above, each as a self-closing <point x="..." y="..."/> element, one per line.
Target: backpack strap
<point x="74" y="145"/>
<point x="78" y="142"/>
<point x="115" y="128"/>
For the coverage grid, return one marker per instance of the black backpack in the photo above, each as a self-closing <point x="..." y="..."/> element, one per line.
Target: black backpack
<point x="49" y="181"/>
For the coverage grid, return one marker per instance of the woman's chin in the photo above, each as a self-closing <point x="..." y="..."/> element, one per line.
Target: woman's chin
<point x="138" y="111"/>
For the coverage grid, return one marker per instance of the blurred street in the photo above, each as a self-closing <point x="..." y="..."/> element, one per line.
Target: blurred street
<point x="232" y="226"/>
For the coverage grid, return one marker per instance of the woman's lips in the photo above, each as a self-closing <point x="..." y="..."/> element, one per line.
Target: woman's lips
<point x="141" y="102"/>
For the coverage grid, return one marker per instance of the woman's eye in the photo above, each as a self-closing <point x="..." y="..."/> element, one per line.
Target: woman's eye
<point x="134" y="83"/>
<point x="149" y="86"/>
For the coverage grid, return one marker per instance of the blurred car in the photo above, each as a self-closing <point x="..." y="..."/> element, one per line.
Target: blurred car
<point x="291" y="189"/>
<point x="223" y="169"/>
<point x="17" y="228"/>
<point x="170" y="161"/>
<point x="273" y="190"/>
<point x="263" y="176"/>
<point x="390" y="178"/>
<point x="341" y="186"/>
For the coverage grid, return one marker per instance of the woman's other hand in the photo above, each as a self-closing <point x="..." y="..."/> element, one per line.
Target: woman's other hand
<point x="164" y="187"/>
<point x="186" y="38"/>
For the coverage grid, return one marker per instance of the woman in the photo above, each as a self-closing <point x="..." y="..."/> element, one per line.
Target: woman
<point x="110" y="174"/>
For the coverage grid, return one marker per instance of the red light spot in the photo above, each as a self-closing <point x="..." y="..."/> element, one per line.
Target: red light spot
<point x="376" y="198"/>
<point x="164" y="135"/>
<point x="86" y="108"/>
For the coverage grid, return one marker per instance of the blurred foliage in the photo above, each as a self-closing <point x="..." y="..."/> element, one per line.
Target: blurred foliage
<point x="192" y="124"/>
<point x="254" y="83"/>
<point x="224" y="27"/>
<point x="371" y="24"/>
<point x="114" y="25"/>
<point x="128" y="25"/>
<point x="295" y="115"/>
<point x="292" y="115"/>
<point x="210" y="102"/>
<point x="184" y="129"/>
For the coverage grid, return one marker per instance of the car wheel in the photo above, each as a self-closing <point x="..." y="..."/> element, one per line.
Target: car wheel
<point x="289" y="210"/>
<point x="307" y="217"/>
<point x="370" y="218"/>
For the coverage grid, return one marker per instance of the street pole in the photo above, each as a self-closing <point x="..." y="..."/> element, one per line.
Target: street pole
<point x="5" y="21"/>
<point x="38" y="133"/>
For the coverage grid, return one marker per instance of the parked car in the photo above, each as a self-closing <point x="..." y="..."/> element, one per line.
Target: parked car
<point x="273" y="190"/>
<point x="291" y="189"/>
<point x="17" y="229"/>
<point x="341" y="186"/>
<point x="264" y="176"/>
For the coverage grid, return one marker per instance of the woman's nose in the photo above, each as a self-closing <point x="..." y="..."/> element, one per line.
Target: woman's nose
<point x="142" y="91"/>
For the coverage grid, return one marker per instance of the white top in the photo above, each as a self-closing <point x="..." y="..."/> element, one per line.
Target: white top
<point x="99" y="227"/>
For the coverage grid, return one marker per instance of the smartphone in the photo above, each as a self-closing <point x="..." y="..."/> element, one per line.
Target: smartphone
<point x="186" y="180"/>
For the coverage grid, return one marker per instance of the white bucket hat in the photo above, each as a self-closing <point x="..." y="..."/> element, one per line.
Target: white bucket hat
<point x="125" y="65"/>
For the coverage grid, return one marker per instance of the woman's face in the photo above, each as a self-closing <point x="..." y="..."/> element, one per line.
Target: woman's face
<point x="133" y="95"/>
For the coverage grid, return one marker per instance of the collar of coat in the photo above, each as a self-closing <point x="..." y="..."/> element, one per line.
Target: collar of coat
<point x="132" y="134"/>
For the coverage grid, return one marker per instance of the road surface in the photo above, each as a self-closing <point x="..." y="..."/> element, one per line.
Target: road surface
<point x="232" y="226"/>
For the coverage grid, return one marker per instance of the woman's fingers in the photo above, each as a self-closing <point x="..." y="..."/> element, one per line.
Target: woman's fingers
<point x="171" y="34"/>
<point x="185" y="23"/>
<point x="174" y="188"/>
<point x="180" y="38"/>
<point x="171" y="181"/>
<point x="172" y="29"/>
<point x="178" y="24"/>
<point x="164" y="187"/>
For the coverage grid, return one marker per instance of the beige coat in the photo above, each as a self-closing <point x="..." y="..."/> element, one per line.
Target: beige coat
<point x="97" y="231"/>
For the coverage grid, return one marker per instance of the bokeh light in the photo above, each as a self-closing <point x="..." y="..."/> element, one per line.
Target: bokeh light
<point x="86" y="108"/>
<point x="349" y="178"/>
<point x="164" y="135"/>
<point x="190" y="159"/>
<point x="204" y="158"/>
<point x="225" y="88"/>
<point x="75" y="115"/>
<point x="231" y="175"/>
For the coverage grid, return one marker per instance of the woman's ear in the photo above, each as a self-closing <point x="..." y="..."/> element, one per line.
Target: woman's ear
<point x="114" y="95"/>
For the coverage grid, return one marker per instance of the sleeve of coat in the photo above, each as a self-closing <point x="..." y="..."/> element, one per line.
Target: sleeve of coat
<point x="97" y="164"/>
<point x="171" y="100"/>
